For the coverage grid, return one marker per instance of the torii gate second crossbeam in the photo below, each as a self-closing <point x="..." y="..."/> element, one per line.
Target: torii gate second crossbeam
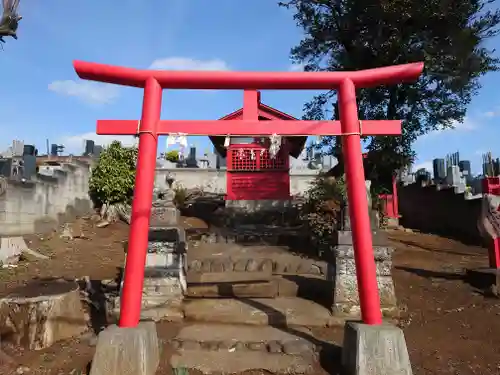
<point x="150" y="127"/>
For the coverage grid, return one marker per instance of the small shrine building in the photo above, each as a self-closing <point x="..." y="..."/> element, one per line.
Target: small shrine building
<point x="254" y="172"/>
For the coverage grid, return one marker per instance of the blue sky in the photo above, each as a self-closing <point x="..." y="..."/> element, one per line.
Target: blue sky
<point x="43" y="98"/>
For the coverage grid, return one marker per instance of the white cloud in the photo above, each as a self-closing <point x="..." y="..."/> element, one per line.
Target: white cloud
<point x="427" y="165"/>
<point x="490" y="114"/>
<point x="464" y="126"/>
<point x="75" y="143"/>
<point x="89" y="92"/>
<point x="296" y="68"/>
<point x="186" y="63"/>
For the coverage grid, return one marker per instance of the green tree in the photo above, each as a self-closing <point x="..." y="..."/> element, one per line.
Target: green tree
<point x="448" y="35"/>
<point x="112" y="179"/>
<point x="172" y="156"/>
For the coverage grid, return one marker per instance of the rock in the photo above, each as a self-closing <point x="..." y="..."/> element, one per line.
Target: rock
<point x="77" y="230"/>
<point x="66" y="232"/>
<point x="102" y="224"/>
<point x="274" y="347"/>
<point x="72" y="230"/>
<point x="41" y="313"/>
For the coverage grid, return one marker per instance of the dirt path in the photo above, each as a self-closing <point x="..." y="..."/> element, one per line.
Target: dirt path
<point x="450" y="327"/>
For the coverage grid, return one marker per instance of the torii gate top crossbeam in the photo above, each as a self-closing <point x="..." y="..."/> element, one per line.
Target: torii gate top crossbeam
<point x="247" y="80"/>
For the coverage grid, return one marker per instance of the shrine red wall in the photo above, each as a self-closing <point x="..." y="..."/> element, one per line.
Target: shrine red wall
<point x="253" y="175"/>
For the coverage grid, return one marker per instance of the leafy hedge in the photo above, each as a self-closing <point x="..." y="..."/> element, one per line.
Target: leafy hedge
<point x="112" y="178"/>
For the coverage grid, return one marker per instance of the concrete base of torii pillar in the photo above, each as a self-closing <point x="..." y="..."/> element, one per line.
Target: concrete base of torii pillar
<point x="375" y="350"/>
<point x="127" y="351"/>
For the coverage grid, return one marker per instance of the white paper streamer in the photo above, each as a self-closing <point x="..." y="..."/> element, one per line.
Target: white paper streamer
<point x="274" y="147"/>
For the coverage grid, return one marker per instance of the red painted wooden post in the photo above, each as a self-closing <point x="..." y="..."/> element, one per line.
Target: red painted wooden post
<point x="349" y="127"/>
<point x="358" y="204"/>
<point x="131" y="296"/>
<point x="395" y="202"/>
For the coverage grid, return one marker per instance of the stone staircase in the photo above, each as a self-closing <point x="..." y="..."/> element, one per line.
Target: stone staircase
<point x="243" y="310"/>
<point x="245" y="307"/>
<point x="226" y="349"/>
<point x="256" y="285"/>
<point x="257" y="307"/>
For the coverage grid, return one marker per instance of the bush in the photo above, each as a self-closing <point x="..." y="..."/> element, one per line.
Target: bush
<point x="180" y="195"/>
<point x="172" y="156"/>
<point x="321" y="211"/>
<point x="112" y="179"/>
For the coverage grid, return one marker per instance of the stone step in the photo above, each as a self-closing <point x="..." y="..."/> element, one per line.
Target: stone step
<point x="224" y="258"/>
<point x="171" y="312"/>
<point x="312" y="287"/>
<point x="223" y="348"/>
<point x="227" y="277"/>
<point x="281" y="311"/>
<point x="227" y="264"/>
<point x="262" y="289"/>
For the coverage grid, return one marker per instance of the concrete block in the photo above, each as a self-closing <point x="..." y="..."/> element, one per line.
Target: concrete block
<point x="11" y="249"/>
<point x="375" y="350"/>
<point x="127" y="351"/>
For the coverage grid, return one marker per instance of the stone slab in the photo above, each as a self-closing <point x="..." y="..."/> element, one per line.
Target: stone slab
<point x="156" y="313"/>
<point x="225" y="362"/>
<point x="126" y="351"/>
<point x="265" y="289"/>
<point x="162" y="260"/>
<point x="309" y="286"/>
<point x="201" y="332"/>
<point x="344" y="237"/>
<point x="229" y="264"/>
<point x="281" y="311"/>
<point x="164" y="216"/>
<point x="224" y="348"/>
<point x="166" y="234"/>
<point x="375" y="350"/>
<point x="226" y="277"/>
<point x="380" y="253"/>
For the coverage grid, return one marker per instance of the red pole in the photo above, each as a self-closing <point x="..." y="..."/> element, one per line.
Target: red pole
<point x="369" y="299"/>
<point x="131" y="297"/>
<point x="395" y="196"/>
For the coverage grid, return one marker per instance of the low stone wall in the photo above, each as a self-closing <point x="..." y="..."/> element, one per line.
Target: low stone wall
<point x="214" y="181"/>
<point x="441" y="212"/>
<point x="40" y="205"/>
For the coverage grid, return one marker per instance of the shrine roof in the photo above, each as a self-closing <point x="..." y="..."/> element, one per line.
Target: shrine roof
<point x="266" y="113"/>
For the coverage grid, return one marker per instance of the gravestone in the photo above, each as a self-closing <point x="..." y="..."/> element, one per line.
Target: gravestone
<point x="345" y="286"/>
<point x="11" y="249"/>
<point x="164" y="277"/>
<point x="164" y="213"/>
<point x="454" y="178"/>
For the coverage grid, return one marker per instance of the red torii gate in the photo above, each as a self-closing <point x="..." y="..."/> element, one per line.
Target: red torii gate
<point x="150" y="127"/>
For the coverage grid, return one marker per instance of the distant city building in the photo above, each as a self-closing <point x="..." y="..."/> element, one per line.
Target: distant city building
<point x="465" y="168"/>
<point x="438" y="166"/>
<point x="89" y="147"/>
